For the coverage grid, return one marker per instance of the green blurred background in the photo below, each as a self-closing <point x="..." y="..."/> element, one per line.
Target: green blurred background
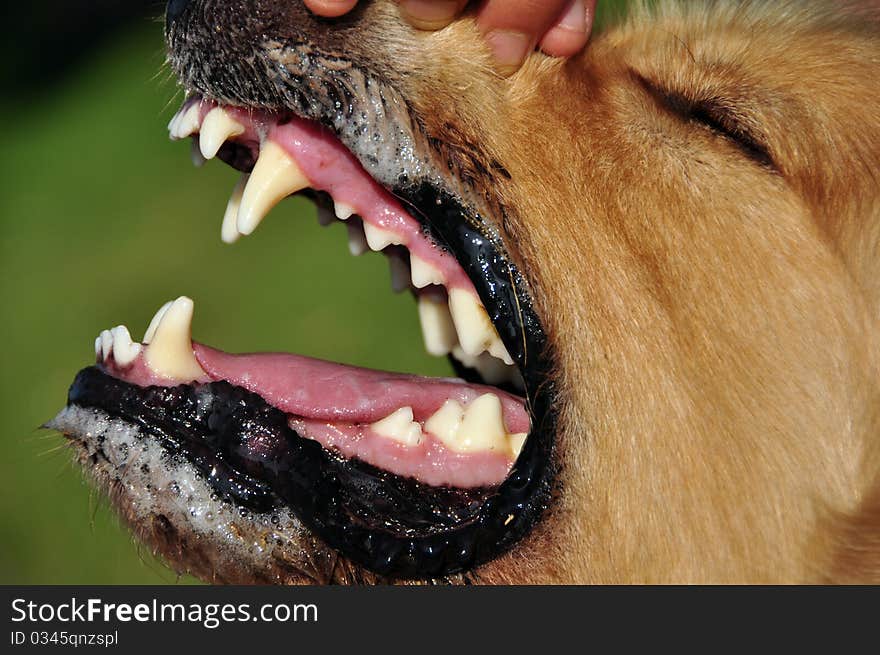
<point x="102" y="220"/>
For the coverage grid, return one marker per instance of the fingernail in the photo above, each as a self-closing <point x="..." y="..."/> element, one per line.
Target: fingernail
<point x="575" y="17"/>
<point x="510" y="49"/>
<point x="429" y="14"/>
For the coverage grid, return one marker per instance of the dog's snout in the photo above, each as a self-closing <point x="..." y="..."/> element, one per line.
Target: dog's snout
<point x="174" y="9"/>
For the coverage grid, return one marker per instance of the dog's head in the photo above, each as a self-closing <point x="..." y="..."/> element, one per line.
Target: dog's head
<point x="673" y="235"/>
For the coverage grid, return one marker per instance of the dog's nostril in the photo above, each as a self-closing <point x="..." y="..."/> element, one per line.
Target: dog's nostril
<point x="174" y="9"/>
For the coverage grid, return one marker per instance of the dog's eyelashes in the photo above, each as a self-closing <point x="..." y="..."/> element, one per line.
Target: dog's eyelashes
<point x="716" y="114"/>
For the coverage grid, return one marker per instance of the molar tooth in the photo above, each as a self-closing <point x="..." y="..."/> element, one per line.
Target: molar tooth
<point x="424" y="273"/>
<point x="154" y="323"/>
<point x="482" y="427"/>
<point x="400" y="426"/>
<point x="343" y="211"/>
<point x="229" y="230"/>
<point x="275" y="176"/>
<point x="185" y="122"/>
<point x="125" y="351"/>
<point x="444" y="423"/>
<point x="399" y="272"/>
<point x="497" y="349"/>
<point x="357" y="242"/>
<point x="379" y="238"/>
<point x="475" y="331"/>
<point x="516" y="443"/>
<point x="106" y="338"/>
<point x="438" y="330"/>
<point x="170" y="352"/>
<point x="217" y="127"/>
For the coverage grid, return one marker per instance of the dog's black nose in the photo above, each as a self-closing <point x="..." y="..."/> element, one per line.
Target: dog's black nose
<point x="174" y="9"/>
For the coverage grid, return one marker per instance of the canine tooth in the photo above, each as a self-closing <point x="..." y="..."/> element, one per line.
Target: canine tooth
<point x="475" y="331"/>
<point x="170" y="352"/>
<point x="229" y="230"/>
<point x="423" y="273"/>
<point x="325" y="216"/>
<point x="357" y="242"/>
<point x="516" y="442"/>
<point x="377" y="238"/>
<point x="444" y="423"/>
<point x="125" y="351"/>
<point x="399" y="272"/>
<point x="154" y="323"/>
<point x="400" y="426"/>
<point x="343" y="211"/>
<point x="195" y="154"/>
<point x="217" y="127"/>
<point x="275" y="176"/>
<point x="482" y="427"/>
<point x="438" y="330"/>
<point x="106" y="344"/>
<point x="185" y="122"/>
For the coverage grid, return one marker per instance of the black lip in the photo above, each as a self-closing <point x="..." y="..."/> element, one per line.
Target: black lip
<point x="246" y="451"/>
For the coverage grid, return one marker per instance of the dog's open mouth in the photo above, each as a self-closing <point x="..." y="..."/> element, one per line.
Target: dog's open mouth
<point x="406" y="475"/>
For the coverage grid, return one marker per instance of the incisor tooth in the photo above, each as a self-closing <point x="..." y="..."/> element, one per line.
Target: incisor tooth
<point x="482" y="427"/>
<point x="475" y="331"/>
<point x="106" y="344"/>
<point x="275" y="176"/>
<point x="399" y="272"/>
<point x="343" y="211"/>
<point x="438" y="330"/>
<point x="217" y="127"/>
<point x="400" y="426"/>
<point x="185" y="122"/>
<point x="154" y="323"/>
<point x="229" y="230"/>
<point x="379" y="238"/>
<point x="125" y="351"/>
<point x="98" y="346"/>
<point x="444" y="423"/>
<point x="170" y="353"/>
<point x="423" y="273"/>
<point x="357" y="242"/>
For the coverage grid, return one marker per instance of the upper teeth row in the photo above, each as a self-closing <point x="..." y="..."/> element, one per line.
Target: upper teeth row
<point x="477" y="427"/>
<point x="166" y="346"/>
<point x="457" y="323"/>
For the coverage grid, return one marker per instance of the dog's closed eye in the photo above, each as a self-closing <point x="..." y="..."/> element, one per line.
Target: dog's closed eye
<point x="715" y="113"/>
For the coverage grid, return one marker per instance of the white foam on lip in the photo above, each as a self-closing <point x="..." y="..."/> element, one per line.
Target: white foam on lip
<point x="155" y="483"/>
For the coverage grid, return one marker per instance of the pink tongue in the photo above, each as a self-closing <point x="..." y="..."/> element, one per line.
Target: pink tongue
<point x="327" y="391"/>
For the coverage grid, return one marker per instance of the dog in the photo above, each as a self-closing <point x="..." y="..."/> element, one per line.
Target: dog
<point x="674" y="236"/>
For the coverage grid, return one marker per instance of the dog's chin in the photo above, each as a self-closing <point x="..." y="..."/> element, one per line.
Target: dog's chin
<point x="275" y="467"/>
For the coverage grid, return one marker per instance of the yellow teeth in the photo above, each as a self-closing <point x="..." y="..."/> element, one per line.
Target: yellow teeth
<point x="438" y="330"/>
<point x="185" y="122"/>
<point x="378" y="238"/>
<point x="154" y="323"/>
<point x="479" y="427"/>
<point x="400" y="426"/>
<point x="423" y="273"/>
<point x="275" y="176"/>
<point x="170" y="351"/>
<point x="475" y="331"/>
<point x="229" y="231"/>
<point x="217" y="127"/>
<point x="343" y="211"/>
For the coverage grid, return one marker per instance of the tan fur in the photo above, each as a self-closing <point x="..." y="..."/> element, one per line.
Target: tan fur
<point x="715" y="321"/>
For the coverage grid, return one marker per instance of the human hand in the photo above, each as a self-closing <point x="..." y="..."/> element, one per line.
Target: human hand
<point x="513" y="28"/>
